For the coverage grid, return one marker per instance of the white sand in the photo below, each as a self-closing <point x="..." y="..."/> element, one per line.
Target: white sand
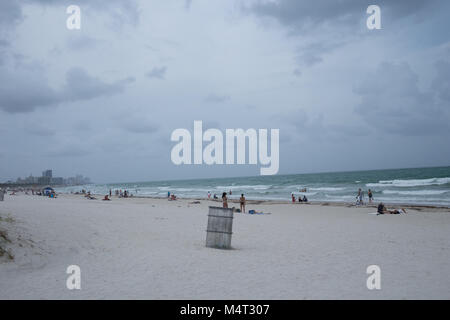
<point x="154" y="249"/>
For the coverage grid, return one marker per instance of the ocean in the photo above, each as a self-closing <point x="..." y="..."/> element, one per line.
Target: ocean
<point x="424" y="186"/>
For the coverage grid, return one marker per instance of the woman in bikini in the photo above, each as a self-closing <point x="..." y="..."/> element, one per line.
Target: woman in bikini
<point x="242" y="203"/>
<point x="225" y="200"/>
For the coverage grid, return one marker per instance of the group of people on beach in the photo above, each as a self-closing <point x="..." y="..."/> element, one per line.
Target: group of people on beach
<point x="118" y="193"/>
<point x="300" y="199"/>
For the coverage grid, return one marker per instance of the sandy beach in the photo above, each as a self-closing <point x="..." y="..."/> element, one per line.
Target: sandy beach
<point x="144" y="248"/>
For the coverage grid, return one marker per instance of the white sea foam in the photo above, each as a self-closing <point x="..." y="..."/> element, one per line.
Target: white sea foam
<point x="244" y="187"/>
<point x="410" y="183"/>
<point x="416" y="192"/>
<point x="327" y="189"/>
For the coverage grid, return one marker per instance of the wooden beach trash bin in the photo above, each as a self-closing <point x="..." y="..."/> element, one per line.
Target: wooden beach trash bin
<point x="220" y="226"/>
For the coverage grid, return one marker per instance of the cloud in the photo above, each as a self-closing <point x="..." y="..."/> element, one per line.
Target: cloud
<point x="81" y="86"/>
<point x="301" y="14"/>
<point x="25" y="90"/>
<point x="324" y="26"/>
<point x="158" y="73"/>
<point x="38" y="130"/>
<point x="392" y="102"/>
<point x="77" y="41"/>
<point x="140" y="126"/>
<point x="187" y="4"/>
<point x="214" y="98"/>
<point x="68" y="151"/>
<point x="10" y="14"/>
<point x="121" y="12"/>
<point x="441" y="84"/>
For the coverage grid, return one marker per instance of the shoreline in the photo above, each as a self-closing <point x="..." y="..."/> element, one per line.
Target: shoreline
<point x="374" y="204"/>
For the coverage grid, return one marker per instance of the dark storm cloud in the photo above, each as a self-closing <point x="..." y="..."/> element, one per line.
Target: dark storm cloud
<point x="25" y="91"/>
<point x="122" y="12"/>
<point x="334" y="23"/>
<point x="392" y="102"/>
<point x="81" y="86"/>
<point x="299" y="14"/>
<point x="10" y="14"/>
<point x="157" y="72"/>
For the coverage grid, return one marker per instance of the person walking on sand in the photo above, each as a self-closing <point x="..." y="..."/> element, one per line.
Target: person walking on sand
<point x="242" y="203"/>
<point x="369" y="193"/>
<point x="225" y="200"/>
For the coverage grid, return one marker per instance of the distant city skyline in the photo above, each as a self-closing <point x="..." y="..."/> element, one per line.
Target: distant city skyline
<point x="47" y="179"/>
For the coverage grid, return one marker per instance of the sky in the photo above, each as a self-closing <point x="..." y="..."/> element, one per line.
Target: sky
<point x="103" y="100"/>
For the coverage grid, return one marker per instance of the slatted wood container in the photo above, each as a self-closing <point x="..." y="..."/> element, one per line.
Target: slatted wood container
<point x="220" y="227"/>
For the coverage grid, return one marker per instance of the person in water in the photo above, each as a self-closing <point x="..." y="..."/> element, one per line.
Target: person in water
<point x="369" y="193"/>
<point x="242" y="203"/>
<point x="224" y="200"/>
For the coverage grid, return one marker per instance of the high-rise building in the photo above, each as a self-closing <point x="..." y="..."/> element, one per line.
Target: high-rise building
<point x="47" y="173"/>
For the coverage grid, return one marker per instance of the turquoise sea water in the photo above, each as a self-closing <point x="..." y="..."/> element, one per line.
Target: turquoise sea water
<point x="429" y="186"/>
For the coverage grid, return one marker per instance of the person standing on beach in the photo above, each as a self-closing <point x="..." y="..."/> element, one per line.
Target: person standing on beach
<point x="369" y="193"/>
<point x="293" y="198"/>
<point x="242" y="203"/>
<point x="359" y="197"/>
<point x="225" y="200"/>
